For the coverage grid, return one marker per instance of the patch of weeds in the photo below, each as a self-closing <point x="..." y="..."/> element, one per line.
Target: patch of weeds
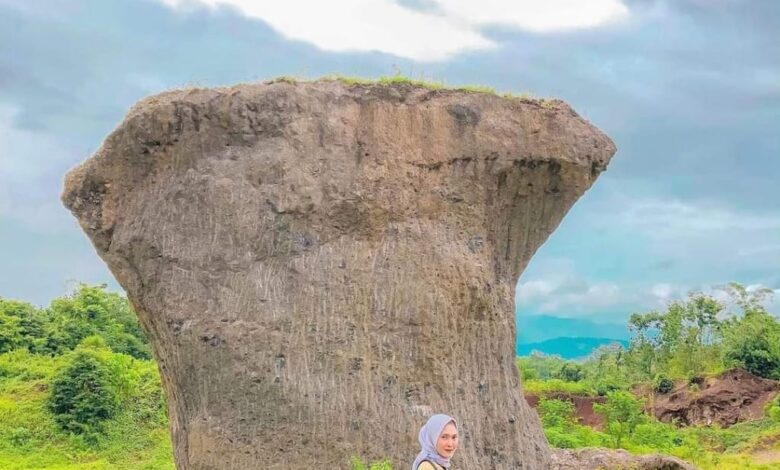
<point x="477" y="89"/>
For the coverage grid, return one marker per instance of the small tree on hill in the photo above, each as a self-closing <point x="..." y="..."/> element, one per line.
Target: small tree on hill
<point x="571" y="372"/>
<point x="555" y="413"/>
<point x="83" y="394"/>
<point x="622" y="413"/>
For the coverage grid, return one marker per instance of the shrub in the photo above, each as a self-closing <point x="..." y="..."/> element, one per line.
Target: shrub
<point x="83" y="394"/>
<point x="574" y="436"/>
<point x="571" y="372"/>
<point x="561" y="438"/>
<point x="753" y="342"/>
<point x="604" y="388"/>
<point x="622" y="413"/>
<point x="542" y="387"/>
<point x="664" y="385"/>
<point x="555" y="412"/>
<point x="696" y="380"/>
<point x="358" y="464"/>
<point x="773" y="409"/>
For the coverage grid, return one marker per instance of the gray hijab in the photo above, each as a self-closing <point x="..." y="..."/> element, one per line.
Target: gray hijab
<point x="428" y="436"/>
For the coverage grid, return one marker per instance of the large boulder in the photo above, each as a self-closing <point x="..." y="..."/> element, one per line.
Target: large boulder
<point x="594" y="458"/>
<point x="320" y="265"/>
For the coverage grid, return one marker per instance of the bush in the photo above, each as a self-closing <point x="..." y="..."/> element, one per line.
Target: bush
<point x="574" y="436"/>
<point x="83" y="394"/>
<point x="561" y="438"/>
<point x="604" y="388"/>
<point x="555" y="412"/>
<point x="542" y="387"/>
<point x="773" y="409"/>
<point x="696" y="380"/>
<point x="664" y="385"/>
<point x="622" y="413"/>
<point x="358" y="464"/>
<point x="571" y="372"/>
<point x="753" y="342"/>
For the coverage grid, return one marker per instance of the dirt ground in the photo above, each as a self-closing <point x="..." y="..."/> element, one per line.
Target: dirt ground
<point x="727" y="399"/>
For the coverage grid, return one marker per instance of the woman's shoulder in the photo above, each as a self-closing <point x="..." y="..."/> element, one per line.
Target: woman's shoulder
<point x="428" y="466"/>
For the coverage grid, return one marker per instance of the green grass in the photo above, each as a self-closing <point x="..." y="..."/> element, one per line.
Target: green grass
<point x="544" y="387"/>
<point x="138" y="439"/>
<point x="394" y="80"/>
<point x="30" y="438"/>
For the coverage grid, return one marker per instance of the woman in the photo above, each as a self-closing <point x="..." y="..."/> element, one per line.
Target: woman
<point x="439" y="440"/>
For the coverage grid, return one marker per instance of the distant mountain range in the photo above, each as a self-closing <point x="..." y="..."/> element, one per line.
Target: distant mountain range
<point x="567" y="347"/>
<point x="568" y="337"/>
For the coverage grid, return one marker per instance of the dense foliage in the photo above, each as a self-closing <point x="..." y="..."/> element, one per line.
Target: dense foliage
<point x="690" y="339"/>
<point x="83" y="394"/>
<point x="78" y="389"/>
<point x="60" y="327"/>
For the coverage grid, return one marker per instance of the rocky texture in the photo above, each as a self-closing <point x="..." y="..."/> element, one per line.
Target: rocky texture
<point x="732" y="397"/>
<point x="611" y="459"/>
<point x="319" y="266"/>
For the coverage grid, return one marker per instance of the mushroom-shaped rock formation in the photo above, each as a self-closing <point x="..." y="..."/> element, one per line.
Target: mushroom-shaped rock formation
<point x="319" y="266"/>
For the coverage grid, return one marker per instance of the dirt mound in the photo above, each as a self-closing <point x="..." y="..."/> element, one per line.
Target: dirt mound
<point x="583" y="407"/>
<point x="732" y="397"/>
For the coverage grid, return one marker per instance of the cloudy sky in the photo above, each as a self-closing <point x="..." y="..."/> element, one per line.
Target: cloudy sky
<point x="688" y="89"/>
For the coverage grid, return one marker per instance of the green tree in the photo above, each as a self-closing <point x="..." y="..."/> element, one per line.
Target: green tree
<point x="540" y="366"/>
<point x="83" y="394"/>
<point x="684" y="340"/>
<point x="607" y="369"/>
<point x="622" y="413"/>
<point x="554" y="412"/>
<point x="91" y="310"/>
<point x="571" y="372"/>
<point x="753" y="342"/>
<point x="748" y="299"/>
<point x="10" y="333"/>
<point x="20" y="326"/>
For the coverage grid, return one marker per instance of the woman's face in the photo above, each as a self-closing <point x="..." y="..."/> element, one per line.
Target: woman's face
<point x="448" y="441"/>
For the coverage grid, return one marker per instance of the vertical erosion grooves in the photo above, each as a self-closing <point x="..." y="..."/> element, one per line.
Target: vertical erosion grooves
<point x="321" y="266"/>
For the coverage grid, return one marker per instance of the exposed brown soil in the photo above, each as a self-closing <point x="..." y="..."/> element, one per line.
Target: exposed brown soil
<point x="727" y="399"/>
<point x="583" y="407"/>
<point x="732" y="397"/>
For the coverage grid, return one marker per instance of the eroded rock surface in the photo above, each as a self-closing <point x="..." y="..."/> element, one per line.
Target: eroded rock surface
<point x="319" y="266"/>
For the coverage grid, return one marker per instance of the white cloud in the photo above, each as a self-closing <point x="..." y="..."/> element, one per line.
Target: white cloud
<point x="670" y="219"/>
<point x="430" y="34"/>
<point x="566" y="294"/>
<point x="663" y="292"/>
<point x="598" y="295"/>
<point x="533" y="290"/>
<point x="560" y="289"/>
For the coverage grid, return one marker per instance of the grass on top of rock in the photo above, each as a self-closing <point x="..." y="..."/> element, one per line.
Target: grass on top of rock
<point x="391" y="80"/>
